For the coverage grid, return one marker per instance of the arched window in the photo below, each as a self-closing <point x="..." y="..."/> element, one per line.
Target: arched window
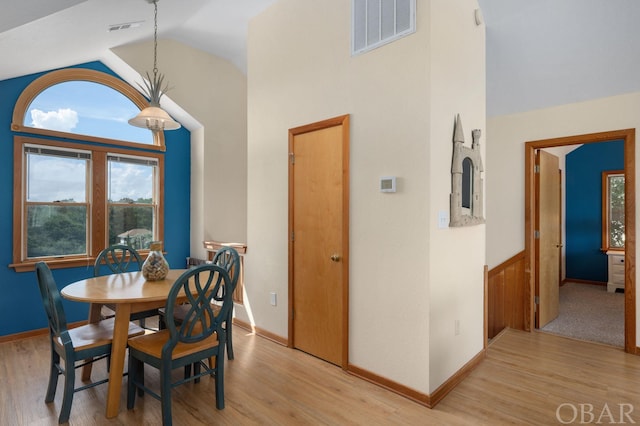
<point x="84" y="178"/>
<point x="83" y="104"/>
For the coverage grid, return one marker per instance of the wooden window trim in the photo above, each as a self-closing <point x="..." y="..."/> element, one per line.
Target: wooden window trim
<point x="80" y="74"/>
<point x="98" y="215"/>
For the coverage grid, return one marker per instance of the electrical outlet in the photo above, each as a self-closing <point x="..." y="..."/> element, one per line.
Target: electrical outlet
<point x="274" y="298"/>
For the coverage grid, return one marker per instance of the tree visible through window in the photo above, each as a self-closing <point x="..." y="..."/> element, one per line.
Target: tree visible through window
<point x="132" y="200"/>
<point x="613" y="231"/>
<point x="56" y="201"/>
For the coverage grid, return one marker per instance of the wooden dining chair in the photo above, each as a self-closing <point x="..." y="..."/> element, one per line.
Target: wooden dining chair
<point x="229" y="259"/>
<point x="76" y="346"/>
<point x="116" y="259"/>
<point x="200" y="336"/>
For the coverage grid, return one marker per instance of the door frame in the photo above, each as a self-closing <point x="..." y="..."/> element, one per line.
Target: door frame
<point x="629" y="138"/>
<point x="342" y="120"/>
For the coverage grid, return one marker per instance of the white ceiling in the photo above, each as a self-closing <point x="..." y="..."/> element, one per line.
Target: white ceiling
<point x="552" y="52"/>
<point x="35" y="36"/>
<point x="539" y="53"/>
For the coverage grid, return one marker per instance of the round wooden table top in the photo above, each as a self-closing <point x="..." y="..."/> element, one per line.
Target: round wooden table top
<point x="126" y="287"/>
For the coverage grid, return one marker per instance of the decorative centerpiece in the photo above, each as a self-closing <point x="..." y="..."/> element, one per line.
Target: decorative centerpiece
<point x="156" y="266"/>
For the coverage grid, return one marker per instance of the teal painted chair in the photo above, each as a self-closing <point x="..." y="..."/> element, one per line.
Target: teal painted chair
<point x="76" y="347"/>
<point x="228" y="258"/>
<point x="117" y="259"/>
<point x="199" y="337"/>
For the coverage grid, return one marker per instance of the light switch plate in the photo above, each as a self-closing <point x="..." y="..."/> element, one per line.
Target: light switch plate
<point x="443" y="219"/>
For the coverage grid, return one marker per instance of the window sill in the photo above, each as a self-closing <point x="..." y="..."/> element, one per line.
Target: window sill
<point x="618" y="249"/>
<point x="53" y="263"/>
<point x="61" y="263"/>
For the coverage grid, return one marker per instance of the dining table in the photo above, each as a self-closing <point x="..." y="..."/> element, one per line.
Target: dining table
<point x="129" y="292"/>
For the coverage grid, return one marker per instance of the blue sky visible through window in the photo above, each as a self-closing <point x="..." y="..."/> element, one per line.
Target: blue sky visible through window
<point x="86" y="108"/>
<point x="53" y="178"/>
<point x="130" y="181"/>
<point x="93" y="109"/>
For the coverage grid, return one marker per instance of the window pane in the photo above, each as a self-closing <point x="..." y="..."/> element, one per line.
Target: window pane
<point x="130" y="182"/>
<point x="616" y="211"/>
<point x="56" y="230"/>
<point x="131" y="225"/>
<point x="56" y="178"/>
<point x="86" y="108"/>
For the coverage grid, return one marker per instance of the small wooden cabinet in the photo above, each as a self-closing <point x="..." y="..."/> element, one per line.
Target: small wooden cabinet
<point x="616" y="271"/>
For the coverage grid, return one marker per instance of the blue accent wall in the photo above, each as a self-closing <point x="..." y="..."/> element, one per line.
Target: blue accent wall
<point x="20" y="303"/>
<point x="584" y="167"/>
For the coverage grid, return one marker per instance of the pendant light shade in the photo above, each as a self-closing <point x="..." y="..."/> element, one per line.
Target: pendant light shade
<point x="154" y="117"/>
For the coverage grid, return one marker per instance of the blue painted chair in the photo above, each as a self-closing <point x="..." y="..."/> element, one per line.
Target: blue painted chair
<point x="200" y="336"/>
<point x="228" y="258"/>
<point x="88" y="342"/>
<point x="117" y="259"/>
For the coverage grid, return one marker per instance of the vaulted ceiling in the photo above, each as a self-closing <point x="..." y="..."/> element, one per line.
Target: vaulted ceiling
<point x="539" y="53"/>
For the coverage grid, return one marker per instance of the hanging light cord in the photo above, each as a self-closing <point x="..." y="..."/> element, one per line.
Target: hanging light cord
<point x="154" y="117"/>
<point x="155" y="38"/>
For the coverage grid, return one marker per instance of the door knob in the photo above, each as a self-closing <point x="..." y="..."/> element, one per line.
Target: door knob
<point x="335" y="257"/>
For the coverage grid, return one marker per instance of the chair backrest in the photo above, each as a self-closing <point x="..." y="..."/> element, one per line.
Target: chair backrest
<point x="118" y="258"/>
<point x="200" y="285"/>
<point x="52" y="300"/>
<point x="229" y="259"/>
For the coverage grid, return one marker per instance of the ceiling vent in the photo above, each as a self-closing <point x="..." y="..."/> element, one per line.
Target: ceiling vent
<point x="124" y="26"/>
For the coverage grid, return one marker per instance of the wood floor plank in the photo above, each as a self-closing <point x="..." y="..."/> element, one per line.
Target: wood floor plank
<point x="524" y="379"/>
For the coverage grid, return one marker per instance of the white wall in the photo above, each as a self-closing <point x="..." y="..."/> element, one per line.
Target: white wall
<point x="407" y="284"/>
<point x="457" y="254"/>
<point x="213" y="91"/>
<point x="506" y="136"/>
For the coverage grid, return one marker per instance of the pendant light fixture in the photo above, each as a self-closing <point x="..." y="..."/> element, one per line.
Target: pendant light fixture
<point x="154" y="117"/>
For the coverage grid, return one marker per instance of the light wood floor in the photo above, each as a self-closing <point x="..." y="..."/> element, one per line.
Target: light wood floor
<point x="523" y="380"/>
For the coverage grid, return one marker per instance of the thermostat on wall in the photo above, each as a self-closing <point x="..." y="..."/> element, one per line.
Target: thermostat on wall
<point x="388" y="184"/>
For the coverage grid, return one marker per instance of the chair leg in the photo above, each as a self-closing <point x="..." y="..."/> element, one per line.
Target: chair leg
<point x="162" y="325"/>
<point x="69" y="385"/>
<point x="212" y="365"/>
<point x="229" y="335"/>
<point x="132" y="377"/>
<point x="165" y="394"/>
<point x="187" y="371"/>
<point x="140" y="379"/>
<point x="53" y="377"/>
<point x="219" y="381"/>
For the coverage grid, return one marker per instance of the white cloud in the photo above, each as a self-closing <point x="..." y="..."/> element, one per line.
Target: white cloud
<point x="54" y="178"/>
<point x="64" y="120"/>
<point x="128" y="180"/>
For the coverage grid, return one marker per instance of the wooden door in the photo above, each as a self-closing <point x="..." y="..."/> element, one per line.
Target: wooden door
<point x="548" y="237"/>
<point x="318" y="248"/>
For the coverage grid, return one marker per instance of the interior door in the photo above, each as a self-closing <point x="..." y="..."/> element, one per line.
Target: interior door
<point x="318" y="249"/>
<point x="547" y="238"/>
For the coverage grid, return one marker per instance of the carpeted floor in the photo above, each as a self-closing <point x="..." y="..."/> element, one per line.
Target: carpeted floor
<point x="588" y="312"/>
